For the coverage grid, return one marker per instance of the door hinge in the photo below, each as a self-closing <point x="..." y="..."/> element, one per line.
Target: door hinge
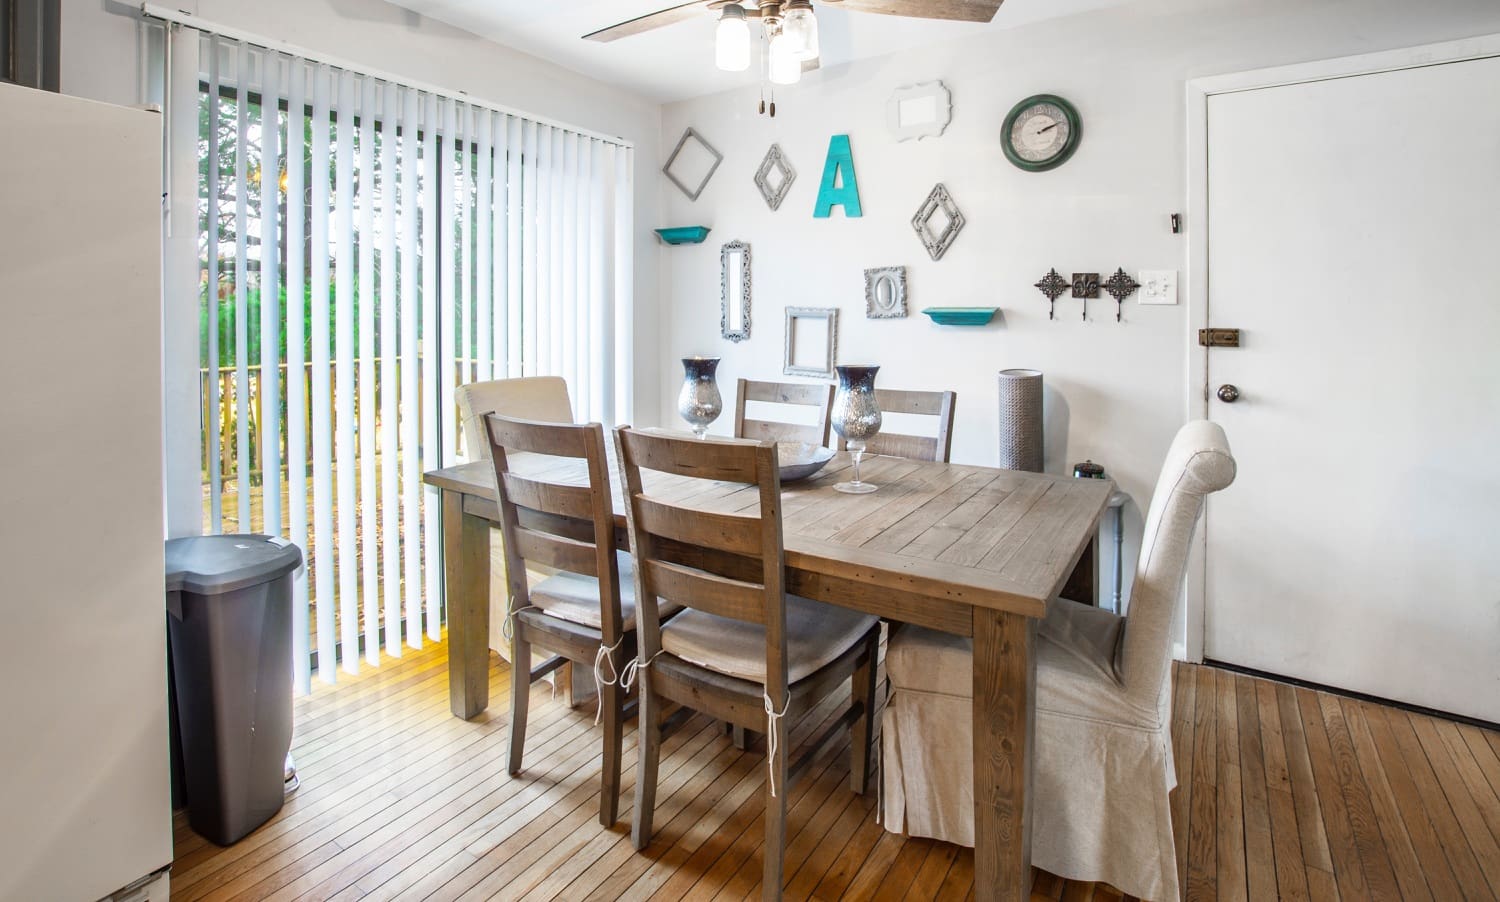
<point x="1219" y="338"/>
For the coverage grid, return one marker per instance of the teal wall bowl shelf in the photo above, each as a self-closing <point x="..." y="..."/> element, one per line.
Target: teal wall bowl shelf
<point x="961" y="316"/>
<point x="683" y="234"/>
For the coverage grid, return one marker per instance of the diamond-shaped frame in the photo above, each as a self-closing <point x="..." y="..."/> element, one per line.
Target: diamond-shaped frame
<point x="692" y="192"/>
<point x="775" y="161"/>
<point x="937" y="245"/>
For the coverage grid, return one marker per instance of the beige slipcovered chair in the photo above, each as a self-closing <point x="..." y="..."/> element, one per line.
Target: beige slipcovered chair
<point x="1103" y="762"/>
<point x="543" y="399"/>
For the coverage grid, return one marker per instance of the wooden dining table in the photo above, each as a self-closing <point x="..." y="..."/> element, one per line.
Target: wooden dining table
<point x="968" y="550"/>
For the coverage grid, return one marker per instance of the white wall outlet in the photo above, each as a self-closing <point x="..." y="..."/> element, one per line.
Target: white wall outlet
<point x="1158" y="286"/>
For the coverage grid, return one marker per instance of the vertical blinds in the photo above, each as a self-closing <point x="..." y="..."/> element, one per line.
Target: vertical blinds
<point x="367" y="246"/>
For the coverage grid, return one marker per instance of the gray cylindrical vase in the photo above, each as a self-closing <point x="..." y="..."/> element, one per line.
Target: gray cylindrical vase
<point x="1021" y="420"/>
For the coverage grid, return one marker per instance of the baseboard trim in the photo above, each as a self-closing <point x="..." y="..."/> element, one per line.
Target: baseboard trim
<point x="1347" y="693"/>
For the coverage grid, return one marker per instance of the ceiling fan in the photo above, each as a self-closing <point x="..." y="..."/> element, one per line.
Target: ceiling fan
<point x="790" y="27"/>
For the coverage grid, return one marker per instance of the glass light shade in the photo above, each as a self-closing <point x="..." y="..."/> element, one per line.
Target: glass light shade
<point x="732" y="41"/>
<point x="786" y="69"/>
<point x="800" y="27"/>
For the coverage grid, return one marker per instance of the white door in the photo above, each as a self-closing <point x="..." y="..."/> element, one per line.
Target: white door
<point x="1354" y="238"/>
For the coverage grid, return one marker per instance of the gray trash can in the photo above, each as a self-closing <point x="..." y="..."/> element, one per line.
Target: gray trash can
<point x="229" y="628"/>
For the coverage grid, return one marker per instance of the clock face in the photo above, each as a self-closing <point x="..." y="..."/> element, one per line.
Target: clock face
<point x="1040" y="132"/>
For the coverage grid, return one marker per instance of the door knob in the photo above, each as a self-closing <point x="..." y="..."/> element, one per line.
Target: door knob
<point x="1228" y="393"/>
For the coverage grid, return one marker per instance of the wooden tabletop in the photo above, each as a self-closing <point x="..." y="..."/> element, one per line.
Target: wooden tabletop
<point x="979" y="536"/>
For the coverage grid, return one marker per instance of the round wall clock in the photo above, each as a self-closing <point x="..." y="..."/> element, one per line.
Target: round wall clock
<point x="1040" y="132"/>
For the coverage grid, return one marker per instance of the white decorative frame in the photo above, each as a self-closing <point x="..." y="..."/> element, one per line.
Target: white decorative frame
<point x="731" y="293"/>
<point x="824" y="371"/>
<point x="775" y="161"/>
<point x="885" y="292"/>
<point x="919" y="111"/>
<point x="701" y="180"/>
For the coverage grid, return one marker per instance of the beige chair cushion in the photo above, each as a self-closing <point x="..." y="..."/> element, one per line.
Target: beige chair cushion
<point x="816" y="635"/>
<point x="575" y="598"/>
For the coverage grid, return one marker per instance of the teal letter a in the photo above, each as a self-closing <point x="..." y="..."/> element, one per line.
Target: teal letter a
<point x="839" y="185"/>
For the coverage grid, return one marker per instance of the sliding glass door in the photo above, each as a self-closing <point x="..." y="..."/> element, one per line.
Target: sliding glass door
<point x="366" y="247"/>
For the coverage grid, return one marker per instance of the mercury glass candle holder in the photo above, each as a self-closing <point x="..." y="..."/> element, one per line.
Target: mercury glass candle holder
<point x="856" y="418"/>
<point x="699" y="402"/>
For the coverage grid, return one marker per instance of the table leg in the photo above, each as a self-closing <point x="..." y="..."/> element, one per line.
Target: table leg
<point x="466" y="562"/>
<point x="1004" y="738"/>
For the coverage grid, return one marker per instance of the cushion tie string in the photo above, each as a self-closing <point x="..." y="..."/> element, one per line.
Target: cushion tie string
<point x="508" y="625"/>
<point x="633" y="667"/>
<point x="605" y="655"/>
<point x="772" y="716"/>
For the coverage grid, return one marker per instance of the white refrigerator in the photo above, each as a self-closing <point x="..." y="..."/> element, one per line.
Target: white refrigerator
<point x="85" y="808"/>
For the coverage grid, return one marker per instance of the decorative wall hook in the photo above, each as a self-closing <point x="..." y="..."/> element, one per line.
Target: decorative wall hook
<point x="1052" y="285"/>
<point x="1085" y="286"/>
<point x="1120" y="286"/>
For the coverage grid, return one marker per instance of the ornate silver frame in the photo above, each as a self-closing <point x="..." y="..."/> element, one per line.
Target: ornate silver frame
<point x="743" y="249"/>
<point x="692" y="193"/>
<point x="775" y="160"/>
<point x="937" y="245"/>
<point x="943" y="102"/>
<point x="895" y="277"/>
<point x="789" y="351"/>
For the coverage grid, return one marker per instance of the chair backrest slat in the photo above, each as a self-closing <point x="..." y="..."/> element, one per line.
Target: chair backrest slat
<point x="558" y="552"/>
<point x="800" y="394"/>
<point x="707" y="591"/>
<point x="735" y="533"/>
<point x="563" y="525"/>
<point x="683" y="555"/>
<point x="550" y="497"/>
<point x="938" y="404"/>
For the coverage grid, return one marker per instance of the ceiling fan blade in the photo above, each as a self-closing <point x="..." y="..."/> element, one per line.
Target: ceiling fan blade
<point x="956" y="10"/>
<point x="669" y="16"/>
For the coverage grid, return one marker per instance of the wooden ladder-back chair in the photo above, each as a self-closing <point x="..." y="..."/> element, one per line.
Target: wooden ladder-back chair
<point x="797" y="393"/>
<point x="583" y="613"/>
<point x="937" y="404"/>
<point x="742" y="650"/>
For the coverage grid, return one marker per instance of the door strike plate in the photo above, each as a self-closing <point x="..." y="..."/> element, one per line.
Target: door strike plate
<point x="1219" y="338"/>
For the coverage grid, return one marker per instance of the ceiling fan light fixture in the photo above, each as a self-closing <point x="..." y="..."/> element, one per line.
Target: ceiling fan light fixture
<point x="732" y="40"/>
<point x="785" y="69"/>
<point x="800" y="26"/>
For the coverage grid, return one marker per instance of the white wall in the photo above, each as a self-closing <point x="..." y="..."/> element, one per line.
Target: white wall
<point x="1116" y="392"/>
<point x="102" y="48"/>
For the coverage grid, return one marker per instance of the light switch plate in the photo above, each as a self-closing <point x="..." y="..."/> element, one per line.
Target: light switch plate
<point x="1158" y="286"/>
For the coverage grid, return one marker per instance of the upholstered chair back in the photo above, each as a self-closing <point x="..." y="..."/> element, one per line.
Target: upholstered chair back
<point x="543" y="399"/>
<point x="1198" y="464"/>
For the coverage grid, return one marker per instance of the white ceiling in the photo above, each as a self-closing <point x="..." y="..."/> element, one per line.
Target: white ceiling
<point x="677" y="62"/>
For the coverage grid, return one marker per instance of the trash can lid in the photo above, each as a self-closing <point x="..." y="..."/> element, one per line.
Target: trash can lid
<point x="214" y="565"/>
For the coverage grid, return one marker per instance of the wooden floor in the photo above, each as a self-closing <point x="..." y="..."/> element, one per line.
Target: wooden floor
<point x="1282" y="792"/>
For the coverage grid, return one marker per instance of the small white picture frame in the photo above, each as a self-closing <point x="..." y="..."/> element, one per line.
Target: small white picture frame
<point x="811" y="341"/>
<point x="919" y="111"/>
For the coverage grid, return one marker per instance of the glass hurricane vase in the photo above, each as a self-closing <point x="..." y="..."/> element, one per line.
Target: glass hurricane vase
<point x="856" y="418"/>
<point x="699" y="402"/>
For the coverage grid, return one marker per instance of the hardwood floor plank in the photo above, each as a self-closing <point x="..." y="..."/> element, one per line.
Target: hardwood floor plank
<point x="1202" y="867"/>
<point x="1484" y="756"/>
<point x="1460" y="800"/>
<point x="1286" y="842"/>
<point x="1315" y="853"/>
<point x="1230" y="844"/>
<point x="1373" y="856"/>
<point x="1260" y="857"/>
<point x="1398" y="844"/>
<point x="1347" y="869"/>
<point x="1411" y="757"/>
